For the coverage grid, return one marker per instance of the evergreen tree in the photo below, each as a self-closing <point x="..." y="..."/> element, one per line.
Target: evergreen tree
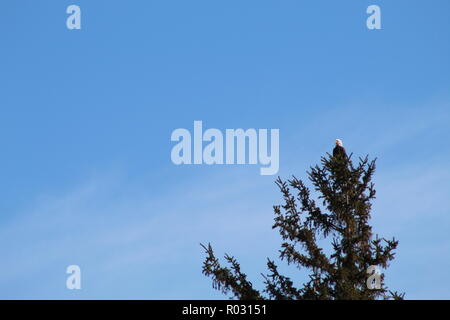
<point x="341" y="216"/>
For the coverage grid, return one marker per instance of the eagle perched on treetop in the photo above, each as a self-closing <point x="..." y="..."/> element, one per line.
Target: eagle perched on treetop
<point x="339" y="150"/>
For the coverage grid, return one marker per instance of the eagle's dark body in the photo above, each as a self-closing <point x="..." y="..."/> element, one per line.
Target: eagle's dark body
<point x="339" y="151"/>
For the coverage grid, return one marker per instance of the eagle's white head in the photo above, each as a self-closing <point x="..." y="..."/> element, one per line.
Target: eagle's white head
<point x="339" y="143"/>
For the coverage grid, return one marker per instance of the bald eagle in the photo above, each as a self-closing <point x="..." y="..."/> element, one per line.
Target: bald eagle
<point x="339" y="150"/>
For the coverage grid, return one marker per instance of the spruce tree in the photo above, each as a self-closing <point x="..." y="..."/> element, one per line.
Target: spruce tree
<point x="340" y="215"/>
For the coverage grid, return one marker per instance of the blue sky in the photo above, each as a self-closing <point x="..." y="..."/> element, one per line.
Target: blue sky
<point x="86" y="119"/>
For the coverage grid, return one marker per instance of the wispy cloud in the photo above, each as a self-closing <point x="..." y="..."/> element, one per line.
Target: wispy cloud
<point x="108" y="235"/>
<point x="132" y="242"/>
